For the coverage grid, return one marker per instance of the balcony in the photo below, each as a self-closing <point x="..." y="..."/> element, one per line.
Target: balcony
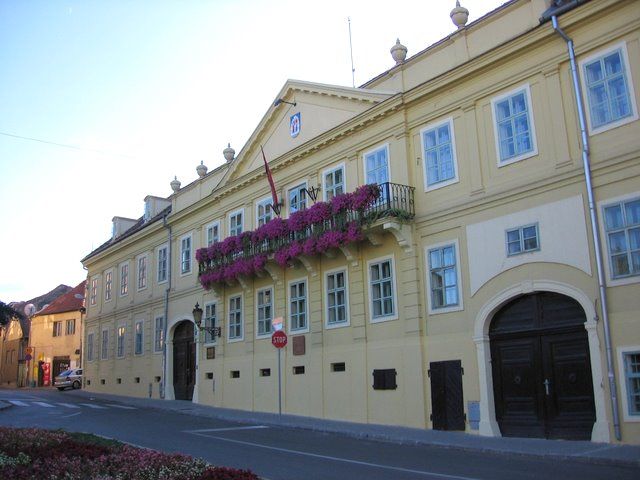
<point x="321" y="229"/>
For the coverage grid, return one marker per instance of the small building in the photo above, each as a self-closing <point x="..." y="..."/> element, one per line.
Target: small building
<point x="56" y="336"/>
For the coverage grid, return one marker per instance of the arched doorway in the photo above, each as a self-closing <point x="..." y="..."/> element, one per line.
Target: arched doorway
<point x="184" y="361"/>
<point x="541" y="368"/>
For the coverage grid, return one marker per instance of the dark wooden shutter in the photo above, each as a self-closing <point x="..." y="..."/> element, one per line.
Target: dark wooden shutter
<point x="446" y="395"/>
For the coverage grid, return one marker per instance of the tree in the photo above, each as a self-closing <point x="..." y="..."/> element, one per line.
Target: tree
<point x="7" y="312"/>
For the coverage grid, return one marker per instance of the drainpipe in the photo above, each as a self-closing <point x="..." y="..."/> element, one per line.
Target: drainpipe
<point x="166" y="309"/>
<point x="594" y="226"/>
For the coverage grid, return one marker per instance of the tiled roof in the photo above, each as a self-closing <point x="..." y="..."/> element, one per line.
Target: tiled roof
<point x="39" y="302"/>
<point x="70" y="301"/>
<point x="139" y="225"/>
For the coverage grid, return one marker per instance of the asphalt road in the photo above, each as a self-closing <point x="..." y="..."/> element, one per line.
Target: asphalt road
<point x="280" y="453"/>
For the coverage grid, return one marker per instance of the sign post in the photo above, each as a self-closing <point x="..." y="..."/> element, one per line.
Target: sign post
<point x="279" y="340"/>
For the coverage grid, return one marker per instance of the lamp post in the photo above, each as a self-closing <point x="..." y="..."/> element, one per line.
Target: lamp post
<point x="197" y="318"/>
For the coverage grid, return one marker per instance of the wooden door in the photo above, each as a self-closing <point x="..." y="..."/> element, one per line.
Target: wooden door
<point x="184" y="361"/>
<point x="447" y="405"/>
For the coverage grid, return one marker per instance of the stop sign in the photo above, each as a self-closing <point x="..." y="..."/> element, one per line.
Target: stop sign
<point x="279" y="339"/>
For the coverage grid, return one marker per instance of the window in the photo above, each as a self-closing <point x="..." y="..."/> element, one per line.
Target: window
<point x="632" y="381"/>
<point x="158" y="339"/>
<point x="522" y="239"/>
<point x="336" y="298"/>
<point x="382" y="290"/>
<point x="608" y="89"/>
<point x="138" y="345"/>
<point x="265" y="372"/>
<point x="376" y="165"/>
<point x="108" y="285"/>
<point x="185" y="255"/>
<point x="70" y="327"/>
<point x="385" y="379"/>
<point x="265" y="311"/>
<point x="57" y="329"/>
<point x="235" y="223"/>
<point x="90" y="347"/>
<point x="443" y="277"/>
<point x="333" y="182"/>
<point x="120" y="341"/>
<point x="439" y="155"/>
<point x="297" y="198"/>
<point x="263" y="211"/>
<point x="515" y="136"/>
<point x="298" y="305"/>
<point x="162" y="264"/>
<point x="124" y="279"/>
<point x="210" y="320"/>
<point x="213" y="233"/>
<point x="94" y="291"/>
<point x="622" y="225"/>
<point x="235" y="318"/>
<point x="298" y="370"/>
<point x="142" y="272"/>
<point x="338" y="367"/>
<point x="104" y="346"/>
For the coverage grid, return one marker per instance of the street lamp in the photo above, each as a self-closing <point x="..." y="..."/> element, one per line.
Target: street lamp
<point x="197" y="317"/>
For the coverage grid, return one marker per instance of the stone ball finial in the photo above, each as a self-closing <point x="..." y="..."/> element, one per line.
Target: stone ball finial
<point x="229" y="153"/>
<point x="201" y="169"/>
<point x="459" y="15"/>
<point x="175" y="184"/>
<point x="398" y="52"/>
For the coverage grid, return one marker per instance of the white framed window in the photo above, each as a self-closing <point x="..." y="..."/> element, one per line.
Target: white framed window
<point x="138" y="346"/>
<point x="376" y="165"/>
<point x="439" y="153"/>
<point x="124" y="279"/>
<point x="333" y="182"/>
<point x="211" y="321"/>
<point x="444" y="287"/>
<point x="236" y="332"/>
<point x="90" y="341"/>
<point x="336" y="299"/>
<point x="298" y="306"/>
<point x="108" y="285"/>
<point x="158" y="335"/>
<point x="70" y="327"/>
<point x="142" y="272"/>
<point x="297" y="197"/>
<point x="212" y="233"/>
<point x="514" y="129"/>
<point x="163" y="258"/>
<point x="522" y="239"/>
<point x="57" y="329"/>
<point x="608" y="89"/>
<point x="104" y="344"/>
<point x="629" y="380"/>
<point x="264" y="312"/>
<point x="120" y="341"/>
<point x="93" y="294"/>
<point x="185" y="254"/>
<point x="236" y="222"/>
<point x="622" y="229"/>
<point x="382" y="289"/>
<point x="263" y="211"/>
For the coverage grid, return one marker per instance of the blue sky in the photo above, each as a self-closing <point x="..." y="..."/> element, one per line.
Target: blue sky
<point x="145" y="90"/>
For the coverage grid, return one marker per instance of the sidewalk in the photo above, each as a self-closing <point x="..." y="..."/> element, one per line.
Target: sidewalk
<point x="588" y="452"/>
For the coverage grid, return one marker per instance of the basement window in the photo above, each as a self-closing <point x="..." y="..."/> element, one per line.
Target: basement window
<point x="235" y="373"/>
<point x="265" y="372"/>
<point x="338" y="367"/>
<point x="298" y="370"/>
<point x="385" y="379"/>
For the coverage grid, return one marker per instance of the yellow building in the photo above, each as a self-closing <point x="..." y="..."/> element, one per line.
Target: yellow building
<point x="469" y="293"/>
<point x="56" y="336"/>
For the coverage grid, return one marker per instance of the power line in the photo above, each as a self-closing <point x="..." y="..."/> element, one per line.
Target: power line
<point x="64" y="145"/>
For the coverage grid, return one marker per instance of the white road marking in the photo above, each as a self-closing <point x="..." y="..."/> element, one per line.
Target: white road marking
<point x="70" y="415"/>
<point x="90" y="405"/>
<point x="18" y="403"/>
<point x="255" y="427"/>
<point x="338" y="459"/>
<point x="124" y="407"/>
<point x="44" y="404"/>
<point x="69" y="405"/>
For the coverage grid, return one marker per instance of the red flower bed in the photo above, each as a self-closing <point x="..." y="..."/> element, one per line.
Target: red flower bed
<point x="29" y="453"/>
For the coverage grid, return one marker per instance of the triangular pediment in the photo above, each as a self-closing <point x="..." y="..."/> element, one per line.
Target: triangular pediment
<point x="318" y="108"/>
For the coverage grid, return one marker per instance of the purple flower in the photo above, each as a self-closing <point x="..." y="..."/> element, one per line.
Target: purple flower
<point x="282" y="257"/>
<point x="331" y="239"/>
<point x="364" y="196"/>
<point x="202" y="255"/>
<point x="319" y="212"/>
<point x="309" y="246"/>
<point x="353" y="233"/>
<point x="341" y="202"/>
<point x="298" y="221"/>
